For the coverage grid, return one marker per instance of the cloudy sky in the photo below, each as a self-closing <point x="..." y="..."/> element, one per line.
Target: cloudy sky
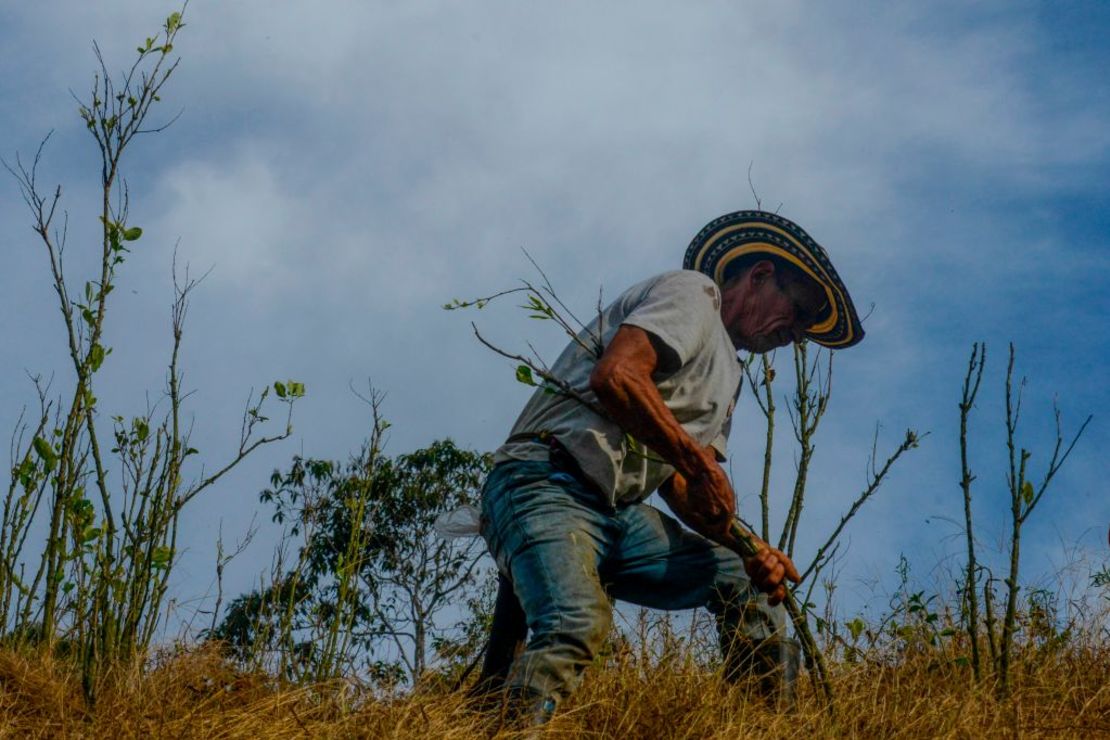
<point x="345" y="168"/>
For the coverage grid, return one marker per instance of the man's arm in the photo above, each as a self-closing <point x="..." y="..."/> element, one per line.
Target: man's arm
<point x="699" y="493"/>
<point x="623" y="385"/>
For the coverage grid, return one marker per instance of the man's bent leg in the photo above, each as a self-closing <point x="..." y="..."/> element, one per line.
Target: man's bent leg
<point x="748" y="652"/>
<point x="543" y="530"/>
<point x="658" y="563"/>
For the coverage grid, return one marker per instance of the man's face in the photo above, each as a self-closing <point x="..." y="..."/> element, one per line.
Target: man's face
<point x="760" y="316"/>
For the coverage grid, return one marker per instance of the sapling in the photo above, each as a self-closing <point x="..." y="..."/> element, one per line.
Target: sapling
<point x="111" y="501"/>
<point x="1024" y="496"/>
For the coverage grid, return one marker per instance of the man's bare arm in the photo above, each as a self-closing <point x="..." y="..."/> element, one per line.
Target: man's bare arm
<point x="699" y="494"/>
<point x="622" y="382"/>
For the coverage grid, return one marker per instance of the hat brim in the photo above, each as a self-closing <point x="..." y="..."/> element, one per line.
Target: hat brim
<point x="736" y="235"/>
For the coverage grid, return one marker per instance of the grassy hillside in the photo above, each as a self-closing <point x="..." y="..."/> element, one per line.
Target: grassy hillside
<point x="1061" y="690"/>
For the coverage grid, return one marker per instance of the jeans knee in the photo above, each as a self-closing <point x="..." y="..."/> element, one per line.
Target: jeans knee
<point x="560" y="649"/>
<point x="579" y="631"/>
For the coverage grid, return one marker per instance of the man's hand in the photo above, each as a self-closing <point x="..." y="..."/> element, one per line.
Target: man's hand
<point x="767" y="569"/>
<point x="706" y="505"/>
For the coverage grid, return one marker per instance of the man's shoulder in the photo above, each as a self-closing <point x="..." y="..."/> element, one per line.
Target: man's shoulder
<point x="681" y="277"/>
<point x="679" y="282"/>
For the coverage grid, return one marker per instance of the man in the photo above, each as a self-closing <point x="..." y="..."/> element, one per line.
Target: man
<point x="562" y="511"/>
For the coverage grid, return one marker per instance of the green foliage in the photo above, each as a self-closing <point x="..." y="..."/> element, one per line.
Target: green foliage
<point x="524" y="375"/>
<point x="95" y="579"/>
<point x="289" y="389"/>
<point x="96" y="357"/>
<point x="388" y="592"/>
<point x="538" y="308"/>
<point x="45" y="451"/>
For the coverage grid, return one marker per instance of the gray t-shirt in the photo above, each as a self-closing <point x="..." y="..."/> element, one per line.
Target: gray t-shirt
<point x="699" y="382"/>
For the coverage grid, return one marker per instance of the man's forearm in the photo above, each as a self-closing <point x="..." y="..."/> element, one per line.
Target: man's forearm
<point x="690" y="511"/>
<point x="623" y="385"/>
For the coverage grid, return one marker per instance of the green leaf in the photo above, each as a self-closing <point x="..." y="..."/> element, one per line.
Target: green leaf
<point x="46" y="452"/>
<point x="142" y="429"/>
<point x="855" y="627"/>
<point x="1027" y="492"/>
<point x="173" y="22"/>
<point x="132" y="234"/>
<point x="26" y="474"/>
<point x="524" y="375"/>
<point x="96" y="357"/>
<point x="296" y="390"/>
<point x="279" y="389"/>
<point x="81" y="509"/>
<point x="160" y="557"/>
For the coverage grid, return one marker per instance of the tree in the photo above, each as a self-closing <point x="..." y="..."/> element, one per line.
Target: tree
<point x="372" y="581"/>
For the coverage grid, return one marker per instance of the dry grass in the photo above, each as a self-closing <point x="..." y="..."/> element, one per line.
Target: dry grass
<point x="196" y="694"/>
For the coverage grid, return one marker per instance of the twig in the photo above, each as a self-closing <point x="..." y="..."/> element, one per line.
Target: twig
<point x="911" y="441"/>
<point x="975" y="366"/>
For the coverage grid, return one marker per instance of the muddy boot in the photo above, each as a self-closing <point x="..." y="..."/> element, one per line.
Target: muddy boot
<point x="771" y="665"/>
<point x="526" y="708"/>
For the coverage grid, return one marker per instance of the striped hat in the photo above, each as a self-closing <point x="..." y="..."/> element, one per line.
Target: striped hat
<point x="742" y="233"/>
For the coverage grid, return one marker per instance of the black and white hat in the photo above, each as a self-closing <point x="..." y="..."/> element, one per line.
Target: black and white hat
<point x="736" y="235"/>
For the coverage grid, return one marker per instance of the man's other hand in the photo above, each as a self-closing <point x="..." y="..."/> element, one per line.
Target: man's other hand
<point x="767" y="569"/>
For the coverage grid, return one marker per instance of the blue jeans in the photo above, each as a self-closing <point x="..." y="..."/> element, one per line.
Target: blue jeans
<point x="566" y="552"/>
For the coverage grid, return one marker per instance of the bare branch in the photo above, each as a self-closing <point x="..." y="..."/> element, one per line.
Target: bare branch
<point x="911" y="441"/>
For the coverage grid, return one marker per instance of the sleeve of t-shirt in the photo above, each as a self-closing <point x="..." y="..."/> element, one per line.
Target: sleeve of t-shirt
<point x="680" y="310"/>
<point x="720" y="442"/>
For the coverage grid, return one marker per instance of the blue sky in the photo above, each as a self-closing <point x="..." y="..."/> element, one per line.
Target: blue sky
<point x="346" y="169"/>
